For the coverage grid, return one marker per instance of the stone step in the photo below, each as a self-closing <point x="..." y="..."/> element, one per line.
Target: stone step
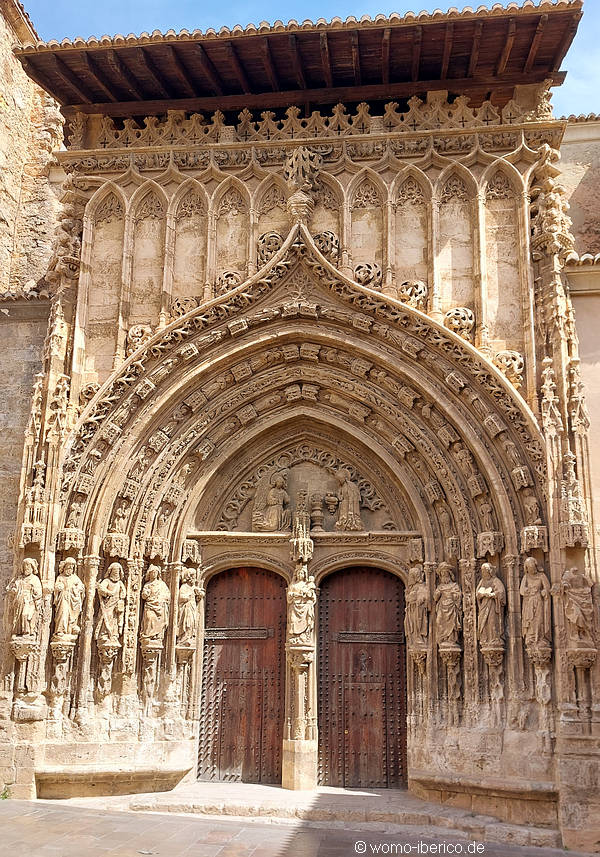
<point x="391" y="812"/>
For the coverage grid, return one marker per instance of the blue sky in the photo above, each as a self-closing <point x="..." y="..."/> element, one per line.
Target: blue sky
<point x="59" y="18"/>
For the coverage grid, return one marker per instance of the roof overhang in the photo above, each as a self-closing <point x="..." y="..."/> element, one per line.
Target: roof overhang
<point x="481" y="53"/>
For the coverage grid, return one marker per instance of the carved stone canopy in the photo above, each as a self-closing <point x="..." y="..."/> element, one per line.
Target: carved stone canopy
<point x="218" y="394"/>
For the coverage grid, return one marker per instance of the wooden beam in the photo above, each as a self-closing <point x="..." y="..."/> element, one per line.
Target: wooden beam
<point x="268" y="64"/>
<point x="329" y="95"/>
<point x="297" y="62"/>
<point x="34" y="74"/>
<point x="416" y="53"/>
<point x="448" y="42"/>
<point x="326" y="59"/>
<point x="237" y="67"/>
<point x="121" y="70"/>
<point x="154" y="74"/>
<point x="508" y="46"/>
<point x="97" y="76"/>
<point x="535" y="44"/>
<point x="71" y="79"/>
<point x="208" y="70"/>
<point x="355" y="57"/>
<point x="385" y="55"/>
<point x="475" y="49"/>
<point x="182" y="71"/>
<point x="565" y="42"/>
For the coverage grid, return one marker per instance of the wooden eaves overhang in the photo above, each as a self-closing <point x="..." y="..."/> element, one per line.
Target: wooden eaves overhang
<point x="481" y="53"/>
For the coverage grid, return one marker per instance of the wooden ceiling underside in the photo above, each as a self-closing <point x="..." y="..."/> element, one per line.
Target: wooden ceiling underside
<point x="314" y="65"/>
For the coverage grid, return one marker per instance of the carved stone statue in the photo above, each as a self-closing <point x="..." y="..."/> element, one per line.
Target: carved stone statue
<point x="69" y="594"/>
<point x="269" y="512"/>
<point x="448" y="609"/>
<point x="486" y="510"/>
<point x="156" y="598"/>
<point x="119" y="522"/>
<point x="111" y="597"/>
<point x="532" y="510"/>
<point x="576" y="590"/>
<point x="187" y="617"/>
<point x="416" y="613"/>
<point x="349" y="503"/>
<point x="301" y="599"/>
<point x="535" y="608"/>
<point x="491" y="601"/>
<point x="25" y="600"/>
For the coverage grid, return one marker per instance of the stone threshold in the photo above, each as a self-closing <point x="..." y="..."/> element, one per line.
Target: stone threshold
<point x="383" y="810"/>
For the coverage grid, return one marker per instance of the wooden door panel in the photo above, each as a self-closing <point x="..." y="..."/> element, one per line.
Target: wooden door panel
<point x="362" y="705"/>
<point x="243" y="674"/>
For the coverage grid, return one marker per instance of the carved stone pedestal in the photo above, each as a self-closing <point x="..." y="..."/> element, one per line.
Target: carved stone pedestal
<point x="183" y="656"/>
<point x="493" y="655"/>
<point x="450" y="655"/>
<point x="62" y="652"/>
<point x="107" y="652"/>
<point x="419" y="658"/>
<point x="151" y="650"/>
<point x="299" y="767"/>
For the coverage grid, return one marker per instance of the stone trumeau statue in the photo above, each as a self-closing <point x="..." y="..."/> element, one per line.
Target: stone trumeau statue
<point x="156" y="598"/>
<point x="535" y="609"/>
<point x="301" y="598"/>
<point x="111" y="597"/>
<point x="24" y="600"/>
<point x="69" y="595"/>
<point x="416" y="614"/>
<point x="491" y="601"/>
<point x="448" y="609"/>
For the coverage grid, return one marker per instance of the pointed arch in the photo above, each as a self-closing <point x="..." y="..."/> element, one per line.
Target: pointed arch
<point x="230" y="213"/>
<point x="411" y="243"/>
<point x="187" y="241"/>
<point x="367" y="198"/>
<point x="147" y="231"/>
<point x="443" y="190"/>
<point x="455" y="193"/>
<point x="367" y="176"/>
<point x="329" y="211"/>
<point x="106" y="190"/>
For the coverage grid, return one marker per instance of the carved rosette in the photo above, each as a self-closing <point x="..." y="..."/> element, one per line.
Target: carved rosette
<point x="226" y="281"/>
<point x="328" y="244"/>
<point x="368" y="274"/>
<point x="268" y="244"/>
<point x="460" y="320"/>
<point x="512" y="364"/>
<point x="414" y="293"/>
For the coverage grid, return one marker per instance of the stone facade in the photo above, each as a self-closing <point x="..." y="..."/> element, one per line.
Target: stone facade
<point x="305" y="344"/>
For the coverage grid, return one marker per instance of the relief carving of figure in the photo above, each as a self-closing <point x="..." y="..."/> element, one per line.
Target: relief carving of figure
<point x="25" y="599"/>
<point x="448" y="609"/>
<point x="119" y="523"/>
<point x="69" y="594"/>
<point x="535" y="609"/>
<point x="301" y="599"/>
<point x="349" y="503"/>
<point x="416" y="613"/>
<point x="269" y="512"/>
<point x="576" y="590"/>
<point x="532" y="510"/>
<point x="491" y="600"/>
<point x="486" y="510"/>
<point x="156" y="598"/>
<point x="111" y="596"/>
<point x="187" y="621"/>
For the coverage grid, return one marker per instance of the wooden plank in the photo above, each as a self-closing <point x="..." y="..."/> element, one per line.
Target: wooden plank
<point x="238" y="67"/>
<point x="535" y="44"/>
<point x="416" y="53"/>
<point x="355" y="57"/>
<point x="448" y="42"/>
<point x="182" y="72"/>
<point x="565" y="42"/>
<point x="209" y="71"/>
<point x="98" y="77"/>
<point x="508" y="46"/>
<point x="67" y="76"/>
<point x="327" y="95"/>
<point x="385" y="55"/>
<point x="268" y="64"/>
<point x="118" y="66"/>
<point x="154" y="73"/>
<point x="473" y="59"/>
<point x="34" y="74"/>
<point x="297" y="62"/>
<point x="326" y="59"/>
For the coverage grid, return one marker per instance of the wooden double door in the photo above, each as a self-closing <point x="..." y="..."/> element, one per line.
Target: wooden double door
<point x="361" y="678"/>
<point x="241" y="730"/>
<point x="362" y="697"/>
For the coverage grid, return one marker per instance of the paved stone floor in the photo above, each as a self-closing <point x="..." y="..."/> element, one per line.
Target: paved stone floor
<point x="56" y="829"/>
